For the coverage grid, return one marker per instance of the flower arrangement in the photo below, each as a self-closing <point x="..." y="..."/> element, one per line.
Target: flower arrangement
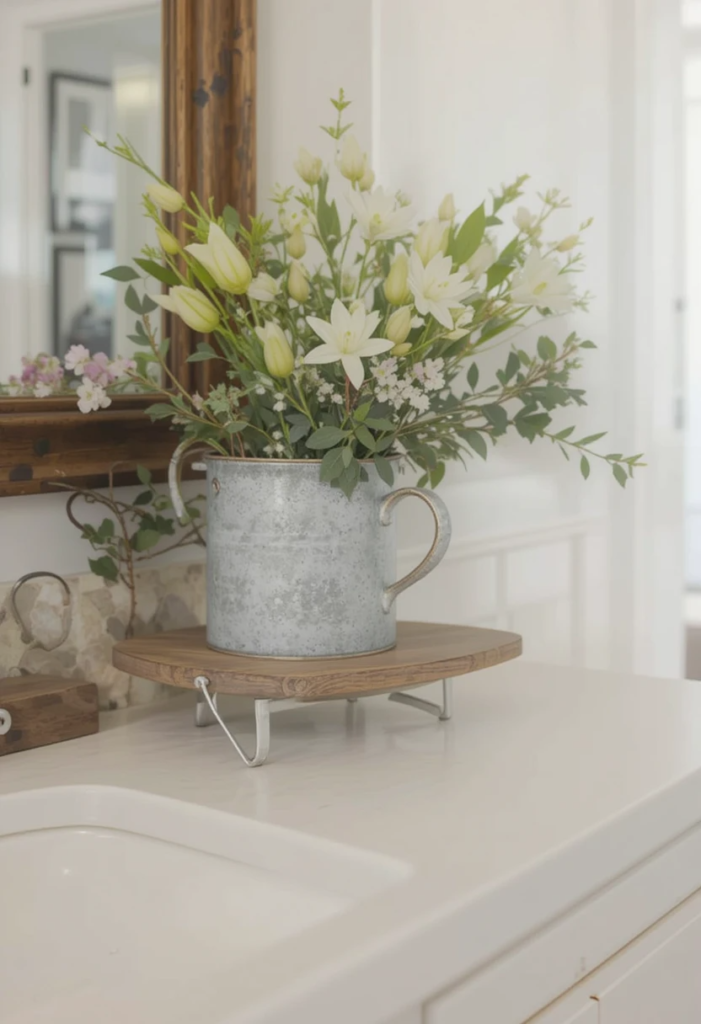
<point x="349" y="334"/>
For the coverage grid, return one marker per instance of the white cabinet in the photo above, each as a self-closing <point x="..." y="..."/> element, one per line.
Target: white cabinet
<point x="664" y="986"/>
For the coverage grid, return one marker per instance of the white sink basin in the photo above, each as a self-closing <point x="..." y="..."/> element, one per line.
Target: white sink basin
<point x="110" y="896"/>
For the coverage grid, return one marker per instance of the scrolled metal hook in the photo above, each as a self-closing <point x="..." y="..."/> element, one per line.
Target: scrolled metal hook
<point x="27" y="636"/>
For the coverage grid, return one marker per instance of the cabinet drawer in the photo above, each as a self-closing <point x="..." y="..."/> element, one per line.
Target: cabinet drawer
<point x="664" y="986"/>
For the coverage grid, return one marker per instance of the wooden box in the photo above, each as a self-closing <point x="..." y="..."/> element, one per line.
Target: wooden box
<point x="37" y="710"/>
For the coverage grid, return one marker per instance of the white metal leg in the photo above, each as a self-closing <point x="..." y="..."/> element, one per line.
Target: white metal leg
<point x="207" y="712"/>
<point x="442" y="711"/>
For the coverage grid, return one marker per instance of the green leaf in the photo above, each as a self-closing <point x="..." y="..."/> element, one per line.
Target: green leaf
<point x="161" y="273"/>
<point x="437" y="474"/>
<point x="332" y="465"/>
<point x="105" y="530"/>
<point x="232" y="221"/>
<point x="467" y="240"/>
<point x="132" y="300"/>
<point x="547" y="349"/>
<point x="144" y="474"/>
<point x="327" y="216"/>
<point x="585" y="441"/>
<point x="160" y="411"/>
<point x="476" y="442"/>
<point x="385" y="469"/>
<point x="500" y="270"/>
<point x="204" y="352"/>
<point x="564" y="434"/>
<point x="105" y="567"/>
<point x="584" y="467"/>
<point x="348" y="480"/>
<point x="620" y="474"/>
<point x="361" y="413"/>
<point x="473" y="376"/>
<point x="513" y="365"/>
<point x="326" y="437"/>
<point x="365" y="437"/>
<point x="236" y="426"/>
<point x="498" y="417"/>
<point x="147" y="304"/>
<point x="299" y="429"/>
<point x="587" y="344"/>
<point x="145" y="498"/>
<point x="122" y="274"/>
<point x="347" y="455"/>
<point x="380" y="423"/>
<point x="144" y="539"/>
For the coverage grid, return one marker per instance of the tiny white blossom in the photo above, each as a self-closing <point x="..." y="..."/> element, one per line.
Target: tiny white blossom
<point x="76" y="359"/>
<point x="280" y="402"/>
<point x="92" y="396"/>
<point x="260" y="390"/>
<point x="276" y="435"/>
<point x="338" y="399"/>
<point x="198" y="401"/>
<point x="42" y="390"/>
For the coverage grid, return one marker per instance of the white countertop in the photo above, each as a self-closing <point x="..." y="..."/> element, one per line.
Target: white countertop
<point x="546" y="785"/>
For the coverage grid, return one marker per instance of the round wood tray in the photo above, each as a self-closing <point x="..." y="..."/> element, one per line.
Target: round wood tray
<point x="425" y="653"/>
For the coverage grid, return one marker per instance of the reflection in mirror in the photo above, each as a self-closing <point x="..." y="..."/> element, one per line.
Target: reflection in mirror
<point x="83" y="206"/>
<point x="104" y="76"/>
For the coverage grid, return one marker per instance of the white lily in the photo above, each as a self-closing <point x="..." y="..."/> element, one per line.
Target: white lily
<point x="347" y="337"/>
<point x="192" y="306"/>
<point x="435" y="289"/>
<point x="379" y="215"/>
<point x="540" y="283"/>
<point x="480" y="262"/>
<point x="352" y="160"/>
<point x="431" y="238"/>
<point x="263" y="288"/>
<point x="463" y="319"/>
<point x="308" y="167"/>
<point x="222" y="259"/>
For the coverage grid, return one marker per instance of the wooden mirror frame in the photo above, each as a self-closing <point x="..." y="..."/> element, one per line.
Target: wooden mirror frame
<point x="209" y="146"/>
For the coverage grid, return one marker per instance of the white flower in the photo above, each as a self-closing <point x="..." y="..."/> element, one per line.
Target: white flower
<point x="348" y="337"/>
<point x="385" y="373"/>
<point x="337" y="399"/>
<point x="480" y="262"/>
<point x="368" y="178"/>
<point x="446" y="211"/>
<point x="280" y="402"/>
<point x="297" y="283"/>
<point x="524" y="219"/>
<point x="222" y="259"/>
<point x="264" y="288"/>
<point x="435" y="289"/>
<point x="568" y="243"/>
<point x="164" y="196"/>
<point x="463" y="318"/>
<point x="76" y="359"/>
<point x="92" y="397"/>
<point x="290" y="221"/>
<point x="42" y="390"/>
<point x="540" y="283"/>
<point x="192" y="306"/>
<point x="198" y="400"/>
<point x="352" y="161"/>
<point x="260" y="390"/>
<point x="120" y="367"/>
<point x="431" y="238"/>
<point x="378" y="214"/>
<point x="308" y="167"/>
<point x="417" y="400"/>
<point x="432" y="374"/>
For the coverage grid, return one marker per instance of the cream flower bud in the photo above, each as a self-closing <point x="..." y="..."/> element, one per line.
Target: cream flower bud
<point x="279" y="358"/>
<point x="399" y="325"/>
<point x="297" y="284"/>
<point x="352" y="161"/>
<point x="348" y="283"/>
<point x="446" y="211"/>
<point x="167" y="241"/>
<point x="431" y="238"/>
<point x="222" y="259"/>
<point x="165" y="197"/>
<point x="401" y="350"/>
<point x="192" y="306"/>
<point x="568" y="243"/>
<point x="524" y="219"/>
<point x="308" y="167"/>
<point x="396" y="286"/>
<point x="480" y="262"/>
<point x="368" y="178"/>
<point x="296" y="244"/>
<point x="263" y="288"/>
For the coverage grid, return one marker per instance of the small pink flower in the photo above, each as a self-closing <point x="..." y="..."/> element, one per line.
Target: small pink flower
<point x="120" y="367"/>
<point x="97" y="370"/>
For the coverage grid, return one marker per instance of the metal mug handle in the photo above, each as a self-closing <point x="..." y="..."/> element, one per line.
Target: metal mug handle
<point x="441" y="539"/>
<point x="174" y="468"/>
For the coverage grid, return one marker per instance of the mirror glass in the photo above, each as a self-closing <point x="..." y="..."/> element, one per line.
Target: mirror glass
<point x="85" y="216"/>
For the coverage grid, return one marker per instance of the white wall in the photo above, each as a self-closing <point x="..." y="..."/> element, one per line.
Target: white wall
<point x="461" y="95"/>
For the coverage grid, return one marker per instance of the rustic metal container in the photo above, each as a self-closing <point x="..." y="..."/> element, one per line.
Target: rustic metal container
<point x="296" y="569"/>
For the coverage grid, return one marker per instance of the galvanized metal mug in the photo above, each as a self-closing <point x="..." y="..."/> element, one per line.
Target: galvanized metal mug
<point x="297" y="570"/>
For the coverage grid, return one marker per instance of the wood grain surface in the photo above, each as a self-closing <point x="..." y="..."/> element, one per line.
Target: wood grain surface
<point x="209" y="129"/>
<point x="46" y="710"/>
<point x="424" y="653"/>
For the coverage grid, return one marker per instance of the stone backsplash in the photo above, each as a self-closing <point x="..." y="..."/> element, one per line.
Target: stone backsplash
<point x="73" y="637"/>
